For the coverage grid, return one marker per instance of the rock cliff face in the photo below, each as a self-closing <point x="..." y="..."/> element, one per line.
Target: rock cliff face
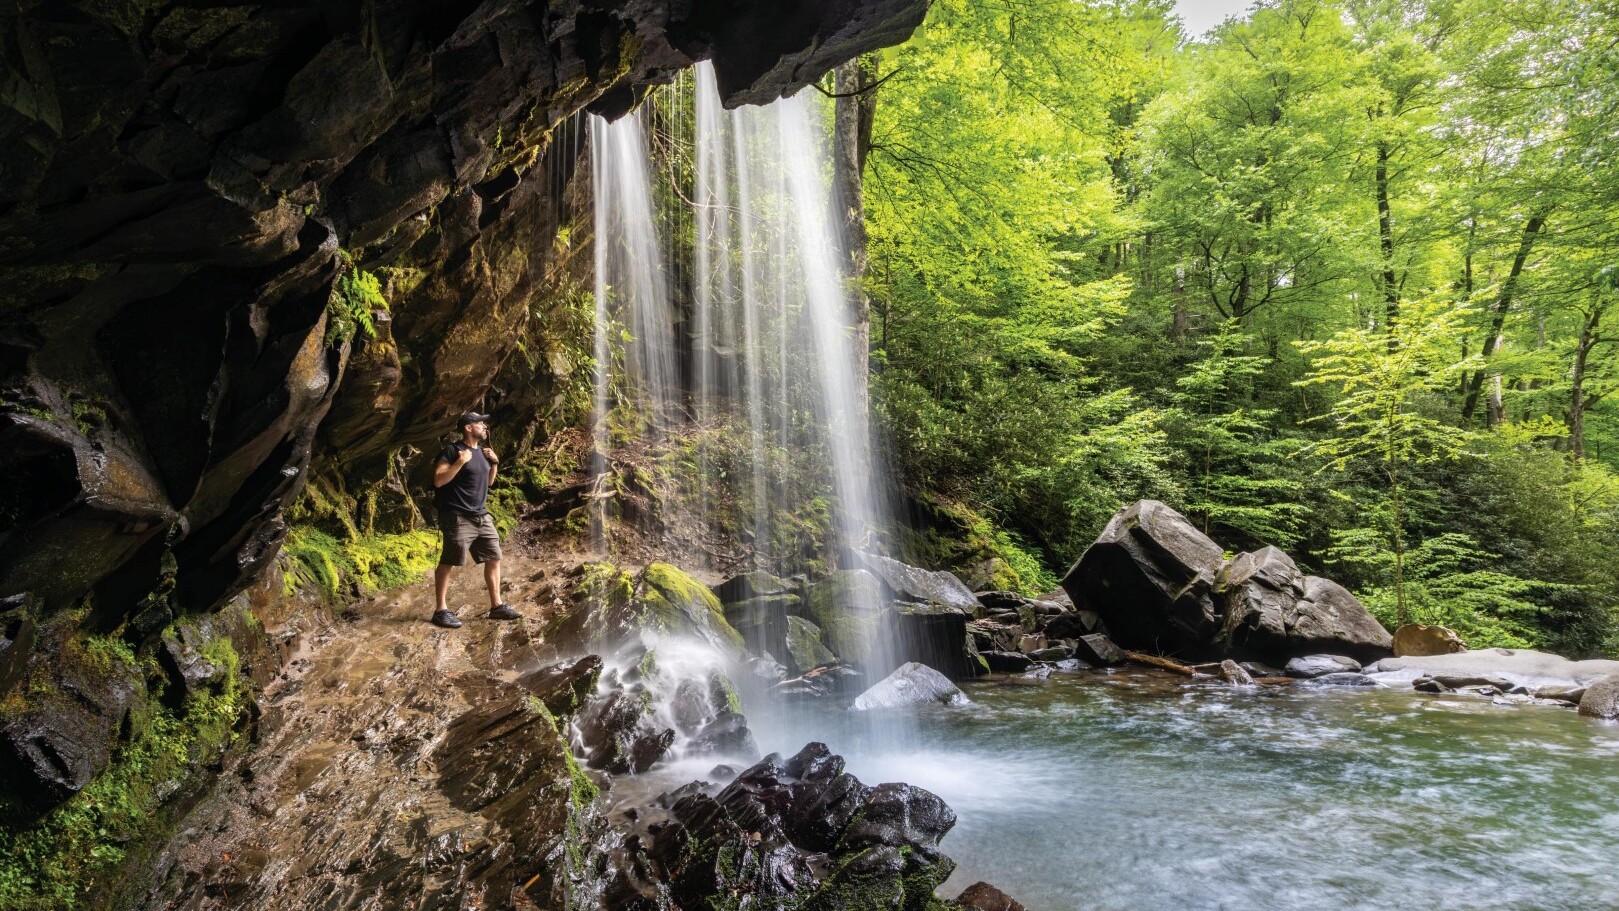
<point x="185" y="184"/>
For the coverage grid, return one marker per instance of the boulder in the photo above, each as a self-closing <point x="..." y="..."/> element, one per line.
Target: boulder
<point x="726" y="735"/>
<point x="189" y="673"/>
<point x="993" y="573"/>
<point x="1274" y="611"/>
<point x="1317" y="665"/>
<point x="795" y="833"/>
<point x="934" y="635"/>
<point x="1231" y="672"/>
<point x="909" y="583"/>
<point x="1330" y="619"/>
<point x="1052" y="653"/>
<point x="1031" y="643"/>
<point x="1260" y="590"/>
<point x="847" y="606"/>
<point x="1420" y="640"/>
<point x="65" y="737"/>
<point x="1162" y="586"/>
<point x="1150" y="575"/>
<point x="900" y="815"/>
<point x="1601" y="699"/>
<point x="803" y="648"/>
<point x="982" y="896"/>
<point x="1006" y="662"/>
<point x="762" y="622"/>
<point x="678" y="604"/>
<point x="1098" y="651"/>
<point x="748" y="585"/>
<point x="911" y="684"/>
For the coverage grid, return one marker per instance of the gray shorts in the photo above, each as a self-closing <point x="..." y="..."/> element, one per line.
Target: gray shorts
<point x="465" y="535"/>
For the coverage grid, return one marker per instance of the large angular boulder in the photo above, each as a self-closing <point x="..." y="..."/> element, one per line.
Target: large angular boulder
<point x="904" y="582"/>
<point x="1330" y="619"/>
<point x="1160" y="585"/>
<point x="1275" y="612"/>
<point x="1260" y="589"/>
<point x="1150" y="575"/>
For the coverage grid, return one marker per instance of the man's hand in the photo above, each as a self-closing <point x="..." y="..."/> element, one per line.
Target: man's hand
<point x="463" y="458"/>
<point x="488" y="454"/>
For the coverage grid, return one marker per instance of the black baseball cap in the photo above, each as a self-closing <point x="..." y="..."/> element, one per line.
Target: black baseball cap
<point x="471" y="417"/>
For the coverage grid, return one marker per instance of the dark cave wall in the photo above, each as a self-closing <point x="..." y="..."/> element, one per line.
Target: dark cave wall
<point x="182" y="184"/>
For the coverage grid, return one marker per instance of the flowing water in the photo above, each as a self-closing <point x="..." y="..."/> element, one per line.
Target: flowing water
<point x="753" y="342"/>
<point x="1131" y="792"/>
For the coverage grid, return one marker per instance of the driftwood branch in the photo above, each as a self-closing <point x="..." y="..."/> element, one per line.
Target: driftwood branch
<point x="1165" y="663"/>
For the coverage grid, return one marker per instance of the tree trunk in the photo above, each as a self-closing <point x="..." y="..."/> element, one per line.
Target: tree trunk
<point x="1578" y="402"/>
<point x="1177" y="321"/>
<point x="1499" y="308"/>
<point x="854" y="83"/>
<point x="1385" y="236"/>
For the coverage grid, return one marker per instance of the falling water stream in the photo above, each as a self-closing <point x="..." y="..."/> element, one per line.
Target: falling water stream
<point x="1104" y="792"/>
<point x="757" y="345"/>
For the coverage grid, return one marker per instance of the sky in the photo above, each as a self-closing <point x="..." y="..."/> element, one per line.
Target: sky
<point x="1202" y="15"/>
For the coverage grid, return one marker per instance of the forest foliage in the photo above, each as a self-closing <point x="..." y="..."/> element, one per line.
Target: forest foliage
<point x="1331" y="277"/>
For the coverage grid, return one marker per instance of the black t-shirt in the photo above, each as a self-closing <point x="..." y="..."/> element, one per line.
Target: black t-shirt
<point x="467" y="492"/>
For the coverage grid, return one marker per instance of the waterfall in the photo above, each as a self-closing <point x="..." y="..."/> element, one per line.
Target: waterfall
<point x="742" y="365"/>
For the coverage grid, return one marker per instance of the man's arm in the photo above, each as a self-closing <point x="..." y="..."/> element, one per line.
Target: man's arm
<point x="494" y="464"/>
<point x="445" y="471"/>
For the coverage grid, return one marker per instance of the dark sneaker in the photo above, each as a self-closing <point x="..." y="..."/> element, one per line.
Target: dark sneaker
<point x="446" y="619"/>
<point x="504" y="612"/>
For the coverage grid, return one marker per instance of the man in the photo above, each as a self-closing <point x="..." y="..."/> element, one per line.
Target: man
<point x="462" y="472"/>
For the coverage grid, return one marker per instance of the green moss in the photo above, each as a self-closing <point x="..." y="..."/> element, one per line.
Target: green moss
<point x="322" y="562"/>
<point x="604" y="583"/>
<point x="505" y="502"/>
<point x="954" y="536"/>
<point x="582" y="791"/>
<point x="72" y="857"/>
<point x="678" y="599"/>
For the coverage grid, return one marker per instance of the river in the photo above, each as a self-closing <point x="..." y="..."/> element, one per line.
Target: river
<point x="1134" y="791"/>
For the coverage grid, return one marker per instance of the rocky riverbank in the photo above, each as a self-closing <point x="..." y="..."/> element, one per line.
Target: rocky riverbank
<point x="402" y="766"/>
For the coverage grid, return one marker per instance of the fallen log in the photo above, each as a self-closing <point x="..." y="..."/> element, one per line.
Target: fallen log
<point x="1167" y="664"/>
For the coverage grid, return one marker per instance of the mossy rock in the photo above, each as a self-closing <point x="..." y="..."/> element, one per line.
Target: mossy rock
<point x="676" y="603"/>
<point x="613" y="608"/>
<point x="848" y="607"/>
<point x="804" y="646"/>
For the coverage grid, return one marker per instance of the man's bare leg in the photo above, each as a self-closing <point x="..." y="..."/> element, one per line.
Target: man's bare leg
<point x="441" y="585"/>
<point x="491" y="580"/>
